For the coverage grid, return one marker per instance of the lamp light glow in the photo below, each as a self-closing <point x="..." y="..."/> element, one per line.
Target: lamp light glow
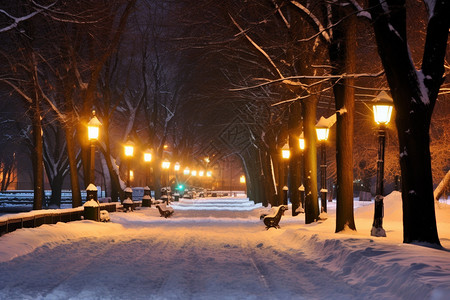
<point x="93" y="127"/>
<point x="382" y="108"/>
<point x="301" y="142"/>
<point x="285" y="152"/>
<point x="165" y="164"/>
<point x="129" y="149"/>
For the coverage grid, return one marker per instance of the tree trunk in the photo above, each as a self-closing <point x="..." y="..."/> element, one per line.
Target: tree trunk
<point x="310" y="160"/>
<point x="294" y="183"/>
<point x="342" y="57"/>
<point x="74" y="182"/>
<point x="414" y="93"/>
<point x="37" y="156"/>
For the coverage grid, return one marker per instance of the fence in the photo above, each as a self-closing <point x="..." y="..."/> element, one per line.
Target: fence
<point x="9" y="223"/>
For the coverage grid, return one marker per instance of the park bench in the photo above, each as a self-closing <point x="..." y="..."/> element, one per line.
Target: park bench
<point x="164" y="210"/>
<point x="272" y="219"/>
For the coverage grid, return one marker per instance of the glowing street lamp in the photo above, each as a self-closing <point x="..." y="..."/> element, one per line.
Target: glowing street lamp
<point x="322" y="131"/>
<point x="177" y="167"/>
<point x="208" y="174"/>
<point x="285" y="154"/>
<point x="301" y="142"/>
<point x="201" y="173"/>
<point x="382" y="110"/>
<point x="186" y="171"/>
<point x="146" y="199"/>
<point x="242" y="179"/>
<point x="129" y="151"/>
<point x="194" y="173"/>
<point x="93" y="134"/>
<point x="165" y="166"/>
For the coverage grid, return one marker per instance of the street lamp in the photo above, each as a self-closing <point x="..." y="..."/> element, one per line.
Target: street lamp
<point x="285" y="154"/>
<point x="129" y="151"/>
<point x="166" y="165"/>
<point x="186" y="171"/>
<point x="301" y="142"/>
<point x="382" y="110"/>
<point x="148" y="160"/>
<point x="93" y="134"/>
<point x="322" y="131"/>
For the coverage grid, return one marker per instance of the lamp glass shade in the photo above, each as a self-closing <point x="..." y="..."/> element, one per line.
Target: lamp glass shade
<point x="176" y="167"/>
<point x="301" y="142"/>
<point x="322" y="133"/>
<point x="186" y="171"/>
<point x="194" y="173"/>
<point x="201" y="173"/>
<point x="147" y="157"/>
<point x="382" y="113"/>
<point x="285" y="153"/>
<point x="129" y="149"/>
<point x="93" y="132"/>
<point x="165" y="164"/>
<point x="242" y="179"/>
<point x="208" y="174"/>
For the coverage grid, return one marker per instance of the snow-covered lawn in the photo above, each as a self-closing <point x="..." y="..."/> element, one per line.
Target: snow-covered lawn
<point x="223" y="254"/>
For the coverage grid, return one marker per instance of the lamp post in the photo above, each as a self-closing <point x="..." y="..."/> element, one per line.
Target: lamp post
<point x="243" y="182"/>
<point x="147" y="160"/>
<point x="93" y="134"/>
<point x="382" y="110"/>
<point x="322" y="131"/>
<point x="129" y="151"/>
<point x="285" y="154"/>
<point x="91" y="207"/>
<point x="165" y="166"/>
<point x="301" y="142"/>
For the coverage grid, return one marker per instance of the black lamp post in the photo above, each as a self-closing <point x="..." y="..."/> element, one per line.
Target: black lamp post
<point x="382" y="110"/>
<point x="301" y="188"/>
<point x="285" y="154"/>
<point x="322" y="131"/>
<point x="93" y="134"/>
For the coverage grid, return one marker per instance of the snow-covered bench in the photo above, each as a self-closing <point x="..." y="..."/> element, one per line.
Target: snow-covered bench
<point x="272" y="219"/>
<point x="164" y="210"/>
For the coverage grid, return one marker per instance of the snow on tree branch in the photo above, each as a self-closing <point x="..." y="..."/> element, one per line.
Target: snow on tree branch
<point x="17" y="20"/>
<point x="314" y="19"/>
<point x="342" y="76"/>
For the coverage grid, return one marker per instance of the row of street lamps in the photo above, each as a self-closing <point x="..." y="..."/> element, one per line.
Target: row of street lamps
<point x="382" y="110"/>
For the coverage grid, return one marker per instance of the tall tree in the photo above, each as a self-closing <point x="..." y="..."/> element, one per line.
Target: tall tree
<point x="414" y="93"/>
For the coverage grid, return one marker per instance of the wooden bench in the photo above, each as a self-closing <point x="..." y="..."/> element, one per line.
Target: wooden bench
<point x="164" y="210"/>
<point x="272" y="219"/>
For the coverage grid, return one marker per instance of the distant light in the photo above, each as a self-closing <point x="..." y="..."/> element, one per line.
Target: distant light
<point x="165" y="164"/>
<point x="147" y="156"/>
<point x="201" y="173"/>
<point x="301" y="142"/>
<point x="242" y="179"/>
<point x="129" y="148"/>
<point x="194" y="173"/>
<point x="285" y="152"/>
<point x="177" y="166"/>
<point x="186" y="171"/>
<point x="208" y="174"/>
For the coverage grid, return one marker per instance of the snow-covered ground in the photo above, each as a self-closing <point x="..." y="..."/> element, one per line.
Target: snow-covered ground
<point x="223" y="254"/>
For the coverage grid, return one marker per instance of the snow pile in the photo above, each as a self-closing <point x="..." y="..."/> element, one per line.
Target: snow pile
<point x="224" y="254"/>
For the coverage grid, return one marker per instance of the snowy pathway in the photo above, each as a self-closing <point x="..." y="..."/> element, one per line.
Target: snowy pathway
<point x="204" y="262"/>
<point x="217" y="254"/>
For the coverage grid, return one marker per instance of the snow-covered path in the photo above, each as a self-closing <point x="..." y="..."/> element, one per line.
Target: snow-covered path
<point x="171" y="262"/>
<point x="222" y="255"/>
